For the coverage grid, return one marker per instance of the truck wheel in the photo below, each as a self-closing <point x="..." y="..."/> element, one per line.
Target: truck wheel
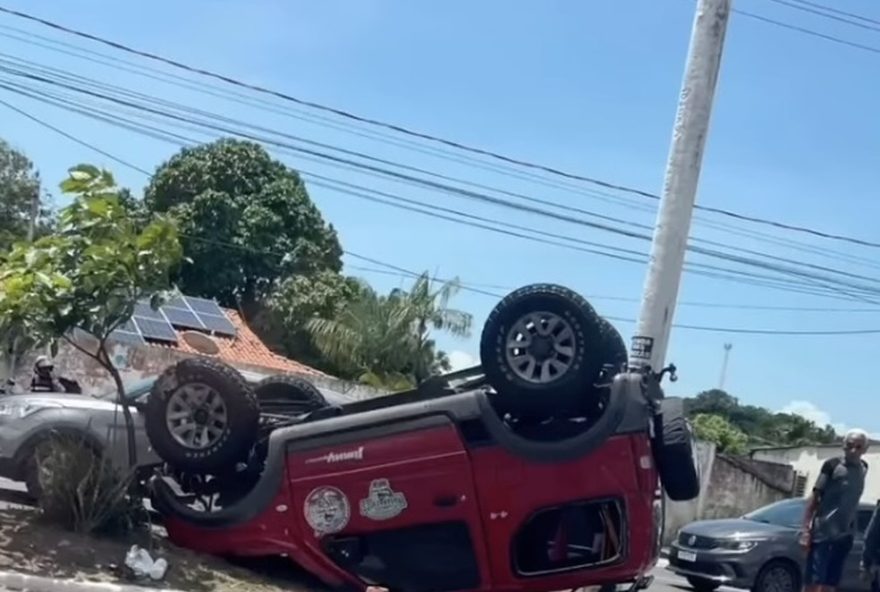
<point x="614" y="349"/>
<point x="285" y="394"/>
<point x="202" y="416"/>
<point x="541" y="349"/>
<point x="675" y="452"/>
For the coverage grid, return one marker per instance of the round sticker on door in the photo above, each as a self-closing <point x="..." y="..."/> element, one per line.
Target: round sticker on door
<point x="327" y="510"/>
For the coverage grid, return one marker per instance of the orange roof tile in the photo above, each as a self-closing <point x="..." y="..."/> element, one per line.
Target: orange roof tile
<point x="245" y="348"/>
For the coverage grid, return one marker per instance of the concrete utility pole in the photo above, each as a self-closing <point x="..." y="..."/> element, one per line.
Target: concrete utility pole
<point x="727" y="348"/>
<point x="680" y="186"/>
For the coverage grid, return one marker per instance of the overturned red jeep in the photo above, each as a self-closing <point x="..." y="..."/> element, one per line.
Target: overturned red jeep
<point x="542" y="469"/>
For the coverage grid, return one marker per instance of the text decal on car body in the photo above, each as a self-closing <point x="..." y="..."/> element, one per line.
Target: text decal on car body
<point x="327" y="510"/>
<point x="382" y="502"/>
<point x="335" y="457"/>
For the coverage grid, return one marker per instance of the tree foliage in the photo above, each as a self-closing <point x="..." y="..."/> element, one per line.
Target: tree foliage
<point x="714" y="428"/>
<point x="19" y="188"/>
<point x="246" y="221"/>
<point x="761" y="426"/>
<point x="297" y="299"/>
<point x="384" y="340"/>
<point x="88" y="274"/>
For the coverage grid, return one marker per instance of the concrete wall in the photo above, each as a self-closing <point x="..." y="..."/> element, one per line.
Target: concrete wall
<point x="731" y="486"/>
<point x="139" y="362"/>
<point x="807" y="460"/>
<point x="741" y="485"/>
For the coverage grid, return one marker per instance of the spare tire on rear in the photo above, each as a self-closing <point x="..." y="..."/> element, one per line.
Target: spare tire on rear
<point x="675" y="452"/>
<point x="542" y="350"/>
<point x="202" y="416"/>
<point x="285" y="394"/>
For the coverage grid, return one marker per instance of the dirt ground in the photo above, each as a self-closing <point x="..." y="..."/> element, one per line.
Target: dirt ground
<point x="27" y="546"/>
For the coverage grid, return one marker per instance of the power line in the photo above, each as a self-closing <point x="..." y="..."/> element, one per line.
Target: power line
<point x="421" y="135"/>
<point x="838" y="284"/>
<point x="464" y="286"/>
<point x="812" y="33"/>
<point x="825" y="13"/>
<point x="761" y="280"/>
<point x="833" y="10"/>
<point x="706" y="328"/>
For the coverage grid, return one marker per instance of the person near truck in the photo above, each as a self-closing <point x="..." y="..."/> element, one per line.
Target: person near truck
<point x="830" y="517"/>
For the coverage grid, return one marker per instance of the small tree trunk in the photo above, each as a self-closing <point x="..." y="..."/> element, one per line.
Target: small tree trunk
<point x="122" y="400"/>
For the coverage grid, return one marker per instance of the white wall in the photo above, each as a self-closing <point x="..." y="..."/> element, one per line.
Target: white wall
<point x="808" y="461"/>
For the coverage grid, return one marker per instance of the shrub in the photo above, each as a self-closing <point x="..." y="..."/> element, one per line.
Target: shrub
<point x="82" y="491"/>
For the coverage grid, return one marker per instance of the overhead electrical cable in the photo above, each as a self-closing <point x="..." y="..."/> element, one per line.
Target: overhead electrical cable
<point x="414" y="133"/>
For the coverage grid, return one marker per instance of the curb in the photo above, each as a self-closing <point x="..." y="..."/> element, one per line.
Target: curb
<point x="19" y="581"/>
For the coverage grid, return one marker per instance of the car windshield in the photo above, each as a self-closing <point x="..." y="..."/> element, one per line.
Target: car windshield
<point x="783" y="513"/>
<point x="133" y="389"/>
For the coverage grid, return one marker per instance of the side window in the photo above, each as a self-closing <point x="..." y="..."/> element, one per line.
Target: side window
<point x="575" y="536"/>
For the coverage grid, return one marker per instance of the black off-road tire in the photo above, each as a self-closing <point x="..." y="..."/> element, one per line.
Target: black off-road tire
<point x="285" y="394"/>
<point x="243" y="415"/>
<point x="614" y="348"/>
<point x="562" y="394"/>
<point x="702" y="584"/>
<point x="675" y="452"/>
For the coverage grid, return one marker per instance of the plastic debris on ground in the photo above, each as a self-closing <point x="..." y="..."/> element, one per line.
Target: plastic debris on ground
<point x="143" y="566"/>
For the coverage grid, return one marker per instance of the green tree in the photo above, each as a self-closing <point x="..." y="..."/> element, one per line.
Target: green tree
<point x="384" y="340"/>
<point x="428" y="304"/>
<point x="246" y="221"/>
<point x="19" y="191"/>
<point x="88" y="275"/>
<point x="714" y="428"/>
<point x="282" y="323"/>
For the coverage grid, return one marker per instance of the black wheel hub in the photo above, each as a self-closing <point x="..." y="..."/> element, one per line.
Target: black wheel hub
<point x="541" y="347"/>
<point x="200" y="416"/>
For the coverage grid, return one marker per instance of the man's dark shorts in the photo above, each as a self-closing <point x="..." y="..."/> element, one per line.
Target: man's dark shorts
<point x="825" y="561"/>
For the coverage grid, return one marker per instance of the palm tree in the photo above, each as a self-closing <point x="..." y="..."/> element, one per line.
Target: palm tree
<point x="384" y="340"/>
<point x="429" y="309"/>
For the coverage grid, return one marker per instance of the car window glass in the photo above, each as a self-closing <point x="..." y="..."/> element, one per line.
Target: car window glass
<point x="784" y="513"/>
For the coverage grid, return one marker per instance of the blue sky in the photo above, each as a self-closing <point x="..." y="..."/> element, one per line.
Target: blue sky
<point x="589" y="87"/>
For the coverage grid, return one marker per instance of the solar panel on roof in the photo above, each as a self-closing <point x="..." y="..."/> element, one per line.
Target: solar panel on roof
<point x="128" y="327"/>
<point x="155" y="329"/>
<point x="126" y="337"/>
<point x="143" y="309"/>
<point x="218" y="323"/>
<point x="182" y="317"/>
<point x="177" y="302"/>
<point x="204" y="306"/>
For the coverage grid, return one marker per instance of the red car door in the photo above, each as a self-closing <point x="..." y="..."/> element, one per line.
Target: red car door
<point x="394" y="507"/>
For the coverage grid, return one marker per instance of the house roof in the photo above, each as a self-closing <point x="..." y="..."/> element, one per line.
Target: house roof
<point x="244" y="348"/>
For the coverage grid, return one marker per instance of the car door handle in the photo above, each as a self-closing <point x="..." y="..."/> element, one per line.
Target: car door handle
<point x="445" y="501"/>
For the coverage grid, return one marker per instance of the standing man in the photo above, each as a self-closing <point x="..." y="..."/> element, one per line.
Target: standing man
<point x="829" y="521"/>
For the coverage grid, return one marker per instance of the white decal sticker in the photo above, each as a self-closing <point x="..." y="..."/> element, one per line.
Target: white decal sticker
<point x="334" y="457"/>
<point x="327" y="510"/>
<point x="382" y="502"/>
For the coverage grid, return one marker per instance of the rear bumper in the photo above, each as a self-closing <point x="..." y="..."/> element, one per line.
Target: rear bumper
<point x="728" y="569"/>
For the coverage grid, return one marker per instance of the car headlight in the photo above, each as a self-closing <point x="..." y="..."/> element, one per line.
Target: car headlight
<point x="734" y="545"/>
<point x="19" y="410"/>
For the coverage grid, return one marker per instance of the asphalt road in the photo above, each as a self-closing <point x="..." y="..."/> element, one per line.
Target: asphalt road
<point x="666" y="581"/>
